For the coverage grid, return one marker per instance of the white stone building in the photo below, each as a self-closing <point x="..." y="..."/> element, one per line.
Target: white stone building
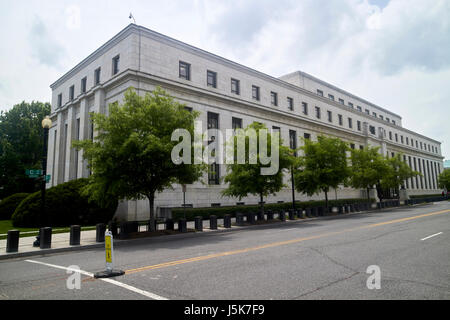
<point x="227" y="94"/>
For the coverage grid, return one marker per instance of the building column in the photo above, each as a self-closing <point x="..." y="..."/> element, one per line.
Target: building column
<point x="69" y="157"/>
<point x="51" y="154"/>
<point x="58" y="151"/>
<point x="83" y="130"/>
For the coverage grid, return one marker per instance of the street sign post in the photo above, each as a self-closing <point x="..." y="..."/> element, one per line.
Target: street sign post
<point x="109" y="259"/>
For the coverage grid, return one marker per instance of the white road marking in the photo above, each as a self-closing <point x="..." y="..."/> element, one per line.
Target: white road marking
<point x="109" y="280"/>
<point x="433" y="235"/>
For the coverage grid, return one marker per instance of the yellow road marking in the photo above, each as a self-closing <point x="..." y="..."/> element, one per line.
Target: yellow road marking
<point x="277" y="244"/>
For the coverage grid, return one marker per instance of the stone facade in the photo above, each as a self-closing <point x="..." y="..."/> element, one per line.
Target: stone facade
<point x="148" y="59"/>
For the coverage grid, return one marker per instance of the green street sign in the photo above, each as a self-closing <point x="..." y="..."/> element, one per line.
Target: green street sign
<point x="33" y="173"/>
<point x="47" y="178"/>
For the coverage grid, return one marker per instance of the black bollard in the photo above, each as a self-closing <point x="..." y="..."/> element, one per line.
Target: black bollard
<point x="269" y="215"/>
<point x="261" y="216"/>
<point x="45" y="235"/>
<point x="112" y="226"/>
<point x="182" y="225"/>
<point x="282" y="215"/>
<point x="213" y="222"/>
<point x="227" y="221"/>
<point x="198" y="223"/>
<point x="75" y="232"/>
<point x="251" y="217"/>
<point x="12" y="242"/>
<point x="239" y="219"/>
<point x="308" y="212"/>
<point x="291" y="214"/>
<point x="100" y="232"/>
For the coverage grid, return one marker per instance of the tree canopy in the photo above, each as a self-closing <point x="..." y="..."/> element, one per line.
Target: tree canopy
<point x="444" y="179"/>
<point x="21" y="146"/>
<point x="130" y="158"/>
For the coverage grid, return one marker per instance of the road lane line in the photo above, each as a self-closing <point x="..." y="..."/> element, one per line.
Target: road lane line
<point x="433" y="235"/>
<point x="108" y="280"/>
<point x="277" y="244"/>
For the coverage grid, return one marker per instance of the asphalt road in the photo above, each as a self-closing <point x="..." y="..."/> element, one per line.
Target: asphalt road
<point x="325" y="258"/>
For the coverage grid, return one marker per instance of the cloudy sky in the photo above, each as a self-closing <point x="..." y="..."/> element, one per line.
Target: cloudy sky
<point x="394" y="53"/>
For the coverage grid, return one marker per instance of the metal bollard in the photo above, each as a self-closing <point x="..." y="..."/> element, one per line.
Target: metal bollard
<point x="112" y="226"/>
<point x="239" y="219"/>
<point x="308" y="212"/>
<point x="75" y="232"/>
<point x="169" y="224"/>
<point x="198" y="223"/>
<point x="182" y="225"/>
<point x="227" y="221"/>
<point x="320" y="211"/>
<point x="300" y="213"/>
<point x="12" y="242"/>
<point x="282" y="215"/>
<point x="213" y="222"/>
<point x="251" y="217"/>
<point x="314" y="211"/>
<point x="261" y="216"/>
<point x="100" y="232"/>
<point x="45" y="235"/>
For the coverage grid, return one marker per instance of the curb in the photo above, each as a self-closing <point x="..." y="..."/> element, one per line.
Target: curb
<point x="119" y="243"/>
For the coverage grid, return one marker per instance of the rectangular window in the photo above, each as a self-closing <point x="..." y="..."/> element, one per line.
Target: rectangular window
<point x="213" y="120"/>
<point x="393" y="122"/>
<point x="340" y="119"/>
<point x="83" y="85"/>
<point x="317" y="112"/>
<point x="97" y="76"/>
<point x="293" y="140"/>
<point x="361" y="147"/>
<point x="290" y="102"/>
<point x="359" y="108"/>
<point x="331" y="97"/>
<point x="367" y="111"/>
<point x="374" y="114"/>
<point x="350" y="123"/>
<point x="213" y="174"/>
<point x="236" y="123"/>
<point x="358" y="125"/>
<point x="401" y="139"/>
<point x="390" y="135"/>
<point x="273" y="98"/>
<point x="276" y="129"/>
<point x="350" y="105"/>
<point x="305" y="108"/>
<point x="189" y="109"/>
<point x="417" y="144"/>
<point x="59" y="100"/>
<point x="320" y="92"/>
<point x="71" y="93"/>
<point x="396" y="138"/>
<point x="184" y="70"/>
<point x="235" y="86"/>
<point x="307" y="136"/>
<point x="352" y="145"/>
<point x="115" y="64"/>
<point x="211" y="79"/>
<point x="330" y="116"/>
<point x="381" y="117"/>
<point x="255" y="93"/>
<point x="372" y="129"/>
<point x="341" y="101"/>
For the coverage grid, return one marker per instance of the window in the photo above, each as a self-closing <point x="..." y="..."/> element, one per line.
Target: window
<point x="417" y="144"/>
<point x="350" y="105"/>
<point x="350" y="123"/>
<point x="236" y="123"/>
<point x="115" y="62"/>
<point x="340" y="119"/>
<point x="401" y="139"/>
<point x="184" y="70"/>
<point x="293" y="140"/>
<point x="59" y="100"/>
<point x="359" y="108"/>
<point x="331" y="97"/>
<point x="396" y="138"/>
<point x="234" y="86"/>
<point x="307" y="136"/>
<point x="276" y="129"/>
<point x="304" y="108"/>
<point x="213" y="120"/>
<point x="341" y="101"/>
<point x="317" y="112"/>
<point x="83" y="85"/>
<point x="290" y="102"/>
<point x="367" y="111"/>
<point x="211" y="79"/>
<point x="358" y="125"/>
<point x="189" y="109"/>
<point x="390" y="135"/>
<point x="387" y="119"/>
<point x="352" y="145"/>
<point x="255" y="93"/>
<point x="361" y="147"/>
<point x="374" y="114"/>
<point x="393" y="122"/>
<point x="97" y="76"/>
<point x="330" y="116"/>
<point x="213" y="174"/>
<point x="273" y="98"/>
<point x="381" y="117"/>
<point x="372" y="129"/>
<point x="407" y="141"/>
<point x="320" y="92"/>
<point x="71" y="92"/>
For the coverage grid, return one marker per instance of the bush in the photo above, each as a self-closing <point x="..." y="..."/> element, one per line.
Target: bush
<point x="9" y="204"/>
<point x="191" y="213"/>
<point x="426" y="196"/>
<point x="64" y="206"/>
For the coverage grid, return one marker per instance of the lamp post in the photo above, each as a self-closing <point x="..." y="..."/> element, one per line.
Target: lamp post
<point x="46" y="124"/>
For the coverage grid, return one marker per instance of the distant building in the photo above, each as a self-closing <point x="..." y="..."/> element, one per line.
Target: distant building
<point x="227" y="95"/>
<point x="446" y="164"/>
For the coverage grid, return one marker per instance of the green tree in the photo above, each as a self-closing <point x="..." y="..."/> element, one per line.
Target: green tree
<point x="21" y="146"/>
<point x="368" y="168"/>
<point x="130" y="158"/>
<point x="322" y="166"/>
<point x="397" y="172"/>
<point x="246" y="178"/>
<point x="444" y="179"/>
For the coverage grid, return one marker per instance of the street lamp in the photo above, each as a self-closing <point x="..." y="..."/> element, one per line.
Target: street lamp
<point x="46" y="124"/>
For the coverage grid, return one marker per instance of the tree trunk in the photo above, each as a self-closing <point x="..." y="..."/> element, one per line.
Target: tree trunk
<point x="151" y="201"/>
<point x="261" y="203"/>
<point x="368" y="194"/>
<point x="326" y="200"/>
